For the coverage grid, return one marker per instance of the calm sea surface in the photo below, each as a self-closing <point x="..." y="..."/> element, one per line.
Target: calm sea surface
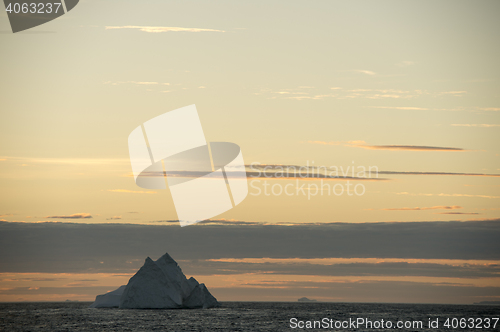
<point x="246" y="316"/>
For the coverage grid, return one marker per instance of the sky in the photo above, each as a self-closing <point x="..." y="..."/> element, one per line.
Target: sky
<point x="391" y="108"/>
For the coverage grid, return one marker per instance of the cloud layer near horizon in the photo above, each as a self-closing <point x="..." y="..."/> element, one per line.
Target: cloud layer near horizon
<point x="71" y="248"/>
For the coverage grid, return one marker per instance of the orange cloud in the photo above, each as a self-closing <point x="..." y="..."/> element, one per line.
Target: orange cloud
<point x="364" y="145"/>
<point x="424" y="208"/>
<point x="72" y="216"/>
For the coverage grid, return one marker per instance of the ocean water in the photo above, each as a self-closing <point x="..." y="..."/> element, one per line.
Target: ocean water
<point x="246" y="316"/>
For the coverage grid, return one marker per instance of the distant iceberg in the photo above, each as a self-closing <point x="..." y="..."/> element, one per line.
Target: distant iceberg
<point x="158" y="285"/>
<point x="305" y="299"/>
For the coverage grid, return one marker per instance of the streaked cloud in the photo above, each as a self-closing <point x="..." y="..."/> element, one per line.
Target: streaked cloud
<point x="72" y="216"/>
<point x="114" y="218"/>
<point x="447" y="195"/>
<point x="405" y="63"/>
<point x="29" y="244"/>
<point x="156" y="29"/>
<point x="366" y="72"/>
<point x="323" y="93"/>
<point x="402" y="108"/>
<point x="364" y="145"/>
<point x="458" y="213"/>
<point x="490" y="109"/>
<point x="311" y="171"/>
<point x="70" y="161"/>
<point x="439" y="173"/>
<point x="278" y="174"/>
<point x="454" y="207"/>
<point x="453" y="93"/>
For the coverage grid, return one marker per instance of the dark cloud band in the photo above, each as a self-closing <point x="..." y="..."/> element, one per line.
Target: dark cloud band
<point x="67" y="247"/>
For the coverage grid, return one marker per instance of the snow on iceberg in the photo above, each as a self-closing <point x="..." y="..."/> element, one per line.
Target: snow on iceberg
<point x="159" y="285"/>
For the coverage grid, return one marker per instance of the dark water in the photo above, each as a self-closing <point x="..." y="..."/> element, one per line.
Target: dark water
<point x="239" y="316"/>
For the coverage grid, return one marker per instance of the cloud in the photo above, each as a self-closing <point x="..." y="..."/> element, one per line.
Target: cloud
<point x="74" y="247"/>
<point x="475" y="125"/>
<point x="447" y="195"/>
<point x="71" y="161"/>
<point x="363" y="145"/>
<point x="231" y="222"/>
<point x="131" y="191"/>
<point x="136" y="83"/>
<point x="366" y="72"/>
<point x="346" y="267"/>
<point x="161" y="29"/>
<point x="453" y="93"/>
<point x="315" y="169"/>
<point x="114" y="218"/>
<point x="491" y="109"/>
<point x="338" y="175"/>
<point x="405" y="63"/>
<point x="423" y="208"/>
<point x="438" y="173"/>
<point x="458" y="213"/>
<point x="402" y="108"/>
<point x="72" y="216"/>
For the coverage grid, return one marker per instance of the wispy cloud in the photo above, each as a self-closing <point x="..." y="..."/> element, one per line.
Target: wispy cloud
<point x="69" y="161"/>
<point x="152" y="29"/>
<point x="409" y="108"/>
<point x="283" y="174"/>
<point x="114" y="218"/>
<point x="438" y="173"/>
<point x="321" y="93"/>
<point x="454" y="207"/>
<point x="313" y="170"/>
<point x="136" y="82"/>
<point x="484" y="125"/>
<point x="72" y="216"/>
<point x="447" y="195"/>
<point x="458" y="213"/>
<point x="454" y="93"/>
<point x="364" y="145"/>
<point x="490" y="109"/>
<point x="366" y="72"/>
<point x="405" y="63"/>
<point x="131" y="191"/>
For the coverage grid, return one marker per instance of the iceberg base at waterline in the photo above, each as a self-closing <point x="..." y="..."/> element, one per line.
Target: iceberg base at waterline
<point x="158" y="284"/>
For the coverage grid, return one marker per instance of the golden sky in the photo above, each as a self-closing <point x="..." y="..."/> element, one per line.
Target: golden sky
<point x="410" y="89"/>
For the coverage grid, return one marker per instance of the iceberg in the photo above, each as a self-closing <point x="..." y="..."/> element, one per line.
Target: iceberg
<point x="159" y="284"/>
<point x="109" y="300"/>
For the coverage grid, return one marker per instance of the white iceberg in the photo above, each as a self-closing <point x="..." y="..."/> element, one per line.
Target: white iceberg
<point x="109" y="300"/>
<point x="158" y="285"/>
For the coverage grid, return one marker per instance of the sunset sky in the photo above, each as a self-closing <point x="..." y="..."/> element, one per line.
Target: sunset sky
<point x="408" y="88"/>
